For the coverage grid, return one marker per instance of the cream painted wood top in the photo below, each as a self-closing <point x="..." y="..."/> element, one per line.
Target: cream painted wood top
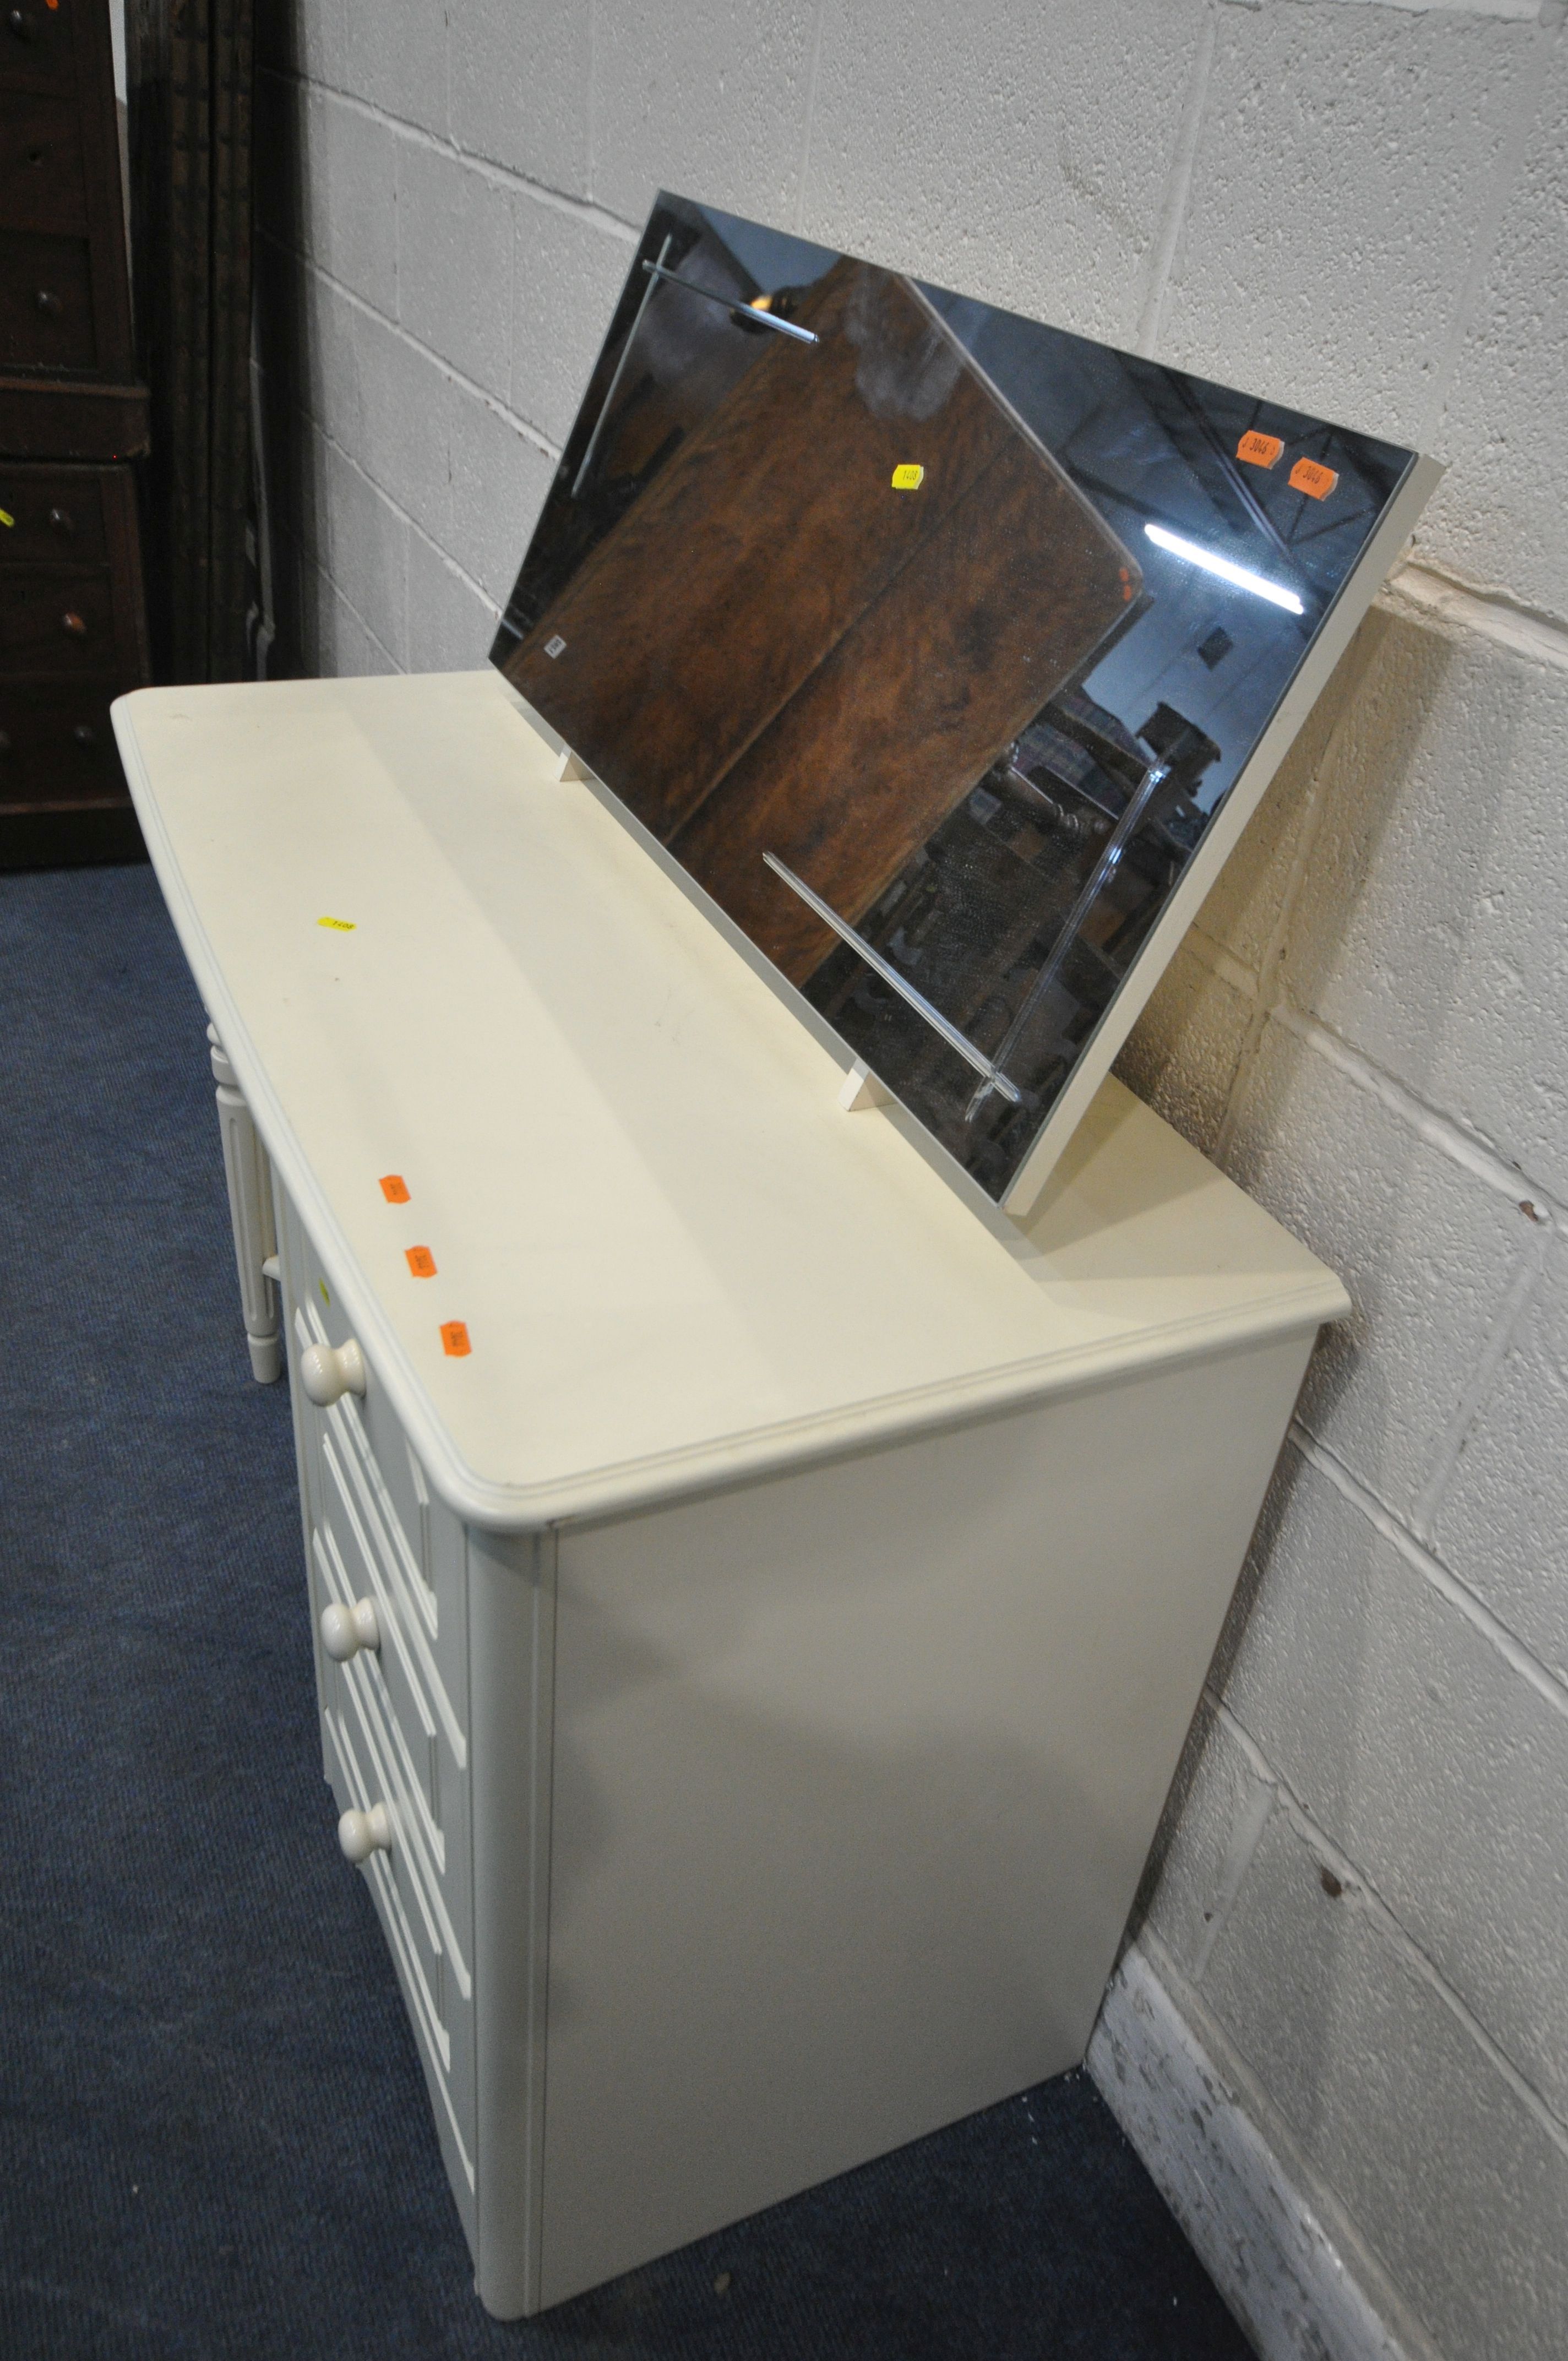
<point x="679" y="1260"/>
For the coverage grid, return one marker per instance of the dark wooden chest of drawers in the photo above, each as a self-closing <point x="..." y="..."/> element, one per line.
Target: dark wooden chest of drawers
<point x="72" y="628"/>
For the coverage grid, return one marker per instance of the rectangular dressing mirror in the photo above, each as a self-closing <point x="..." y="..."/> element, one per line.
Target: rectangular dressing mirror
<point x="945" y="651"/>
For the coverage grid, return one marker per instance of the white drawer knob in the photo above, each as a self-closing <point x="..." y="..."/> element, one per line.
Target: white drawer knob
<point x="362" y="1833"/>
<point x="327" y="1373"/>
<point x="345" y="1629"/>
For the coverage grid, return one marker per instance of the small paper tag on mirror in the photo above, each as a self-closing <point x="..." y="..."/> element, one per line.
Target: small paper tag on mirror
<point x="1307" y="476"/>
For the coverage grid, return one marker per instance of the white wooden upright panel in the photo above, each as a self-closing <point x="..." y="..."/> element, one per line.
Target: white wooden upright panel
<point x="855" y="1775"/>
<point x="792" y="1605"/>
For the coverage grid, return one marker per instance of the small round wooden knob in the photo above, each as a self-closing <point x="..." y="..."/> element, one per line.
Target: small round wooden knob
<point x="326" y="1374"/>
<point x="362" y="1833"/>
<point x="72" y="622"/>
<point x="20" y="23"/>
<point x="61" y="521"/>
<point x="345" y="1629"/>
<point x="48" y="303"/>
<point x="84" y="734"/>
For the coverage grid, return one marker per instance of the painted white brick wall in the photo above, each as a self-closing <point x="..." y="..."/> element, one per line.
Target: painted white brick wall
<point x="1360" y="206"/>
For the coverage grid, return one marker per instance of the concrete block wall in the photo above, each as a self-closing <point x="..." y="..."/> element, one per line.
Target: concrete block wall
<point x="1362" y="1889"/>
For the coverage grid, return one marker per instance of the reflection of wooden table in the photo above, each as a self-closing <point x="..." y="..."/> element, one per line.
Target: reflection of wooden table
<point x="775" y="649"/>
<point x="780" y="1626"/>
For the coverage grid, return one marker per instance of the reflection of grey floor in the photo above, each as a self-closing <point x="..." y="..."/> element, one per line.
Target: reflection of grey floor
<point x="214" y="2132"/>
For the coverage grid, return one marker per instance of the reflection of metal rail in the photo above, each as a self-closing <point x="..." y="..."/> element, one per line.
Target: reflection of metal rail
<point x="1029" y="796"/>
<point x="1099" y="878"/>
<point x="619" y="370"/>
<point x="732" y="303"/>
<point x="1181" y="387"/>
<point x="994" y="1079"/>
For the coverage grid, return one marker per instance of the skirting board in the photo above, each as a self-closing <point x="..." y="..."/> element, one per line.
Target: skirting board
<point x="1295" y="2277"/>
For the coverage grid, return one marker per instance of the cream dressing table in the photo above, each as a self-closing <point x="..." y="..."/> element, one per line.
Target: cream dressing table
<point x="760" y="1595"/>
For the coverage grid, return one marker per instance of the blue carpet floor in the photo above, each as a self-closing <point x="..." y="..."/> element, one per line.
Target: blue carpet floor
<point x="213" y="2133"/>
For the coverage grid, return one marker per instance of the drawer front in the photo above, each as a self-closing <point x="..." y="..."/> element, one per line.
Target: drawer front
<point x="44" y="418"/>
<point x="358" y="1556"/>
<point x="425" y="1536"/>
<point x="437" y="1986"/>
<point x="36" y="45"/>
<point x="46" y="302"/>
<point x="41" y="184"/>
<point x="430" y="1541"/>
<point x="394" y="1729"/>
<point x="362" y="1548"/>
<point x="55" y="621"/>
<point x="56" y="747"/>
<point x="57" y="514"/>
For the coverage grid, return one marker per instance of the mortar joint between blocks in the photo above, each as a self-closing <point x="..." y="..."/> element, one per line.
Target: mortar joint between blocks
<point x="1358" y="1889"/>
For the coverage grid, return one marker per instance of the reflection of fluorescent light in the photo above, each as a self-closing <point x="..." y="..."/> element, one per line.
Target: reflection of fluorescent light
<point x="1224" y="568"/>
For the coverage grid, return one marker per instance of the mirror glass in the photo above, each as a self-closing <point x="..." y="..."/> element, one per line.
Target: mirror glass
<point x="926" y="637"/>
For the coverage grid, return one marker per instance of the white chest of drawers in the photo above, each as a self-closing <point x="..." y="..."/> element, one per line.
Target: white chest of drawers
<point x="762" y="1654"/>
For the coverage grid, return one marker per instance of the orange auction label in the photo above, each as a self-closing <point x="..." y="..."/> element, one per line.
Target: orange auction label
<point x="421" y="1261"/>
<point x="1259" y="450"/>
<point x="1317" y="481"/>
<point x="454" y="1339"/>
<point x="394" y="1188"/>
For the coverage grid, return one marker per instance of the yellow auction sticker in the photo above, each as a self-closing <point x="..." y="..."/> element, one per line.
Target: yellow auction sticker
<point x="340" y="926"/>
<point x="909" y="477"/>
<point x="6" y="517"/>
